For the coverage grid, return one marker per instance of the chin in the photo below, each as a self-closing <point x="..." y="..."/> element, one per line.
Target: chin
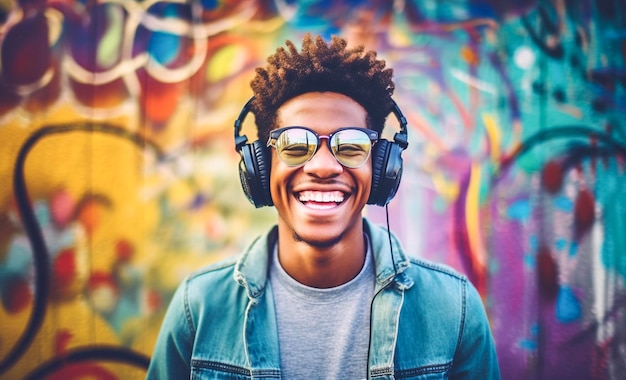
<point x="315" y="240"/>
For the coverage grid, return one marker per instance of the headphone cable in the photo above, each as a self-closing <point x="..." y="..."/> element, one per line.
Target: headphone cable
<point x="393" y="261"/>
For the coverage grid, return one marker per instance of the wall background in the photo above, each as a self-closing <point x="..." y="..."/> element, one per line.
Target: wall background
<point x="514" y="175"/>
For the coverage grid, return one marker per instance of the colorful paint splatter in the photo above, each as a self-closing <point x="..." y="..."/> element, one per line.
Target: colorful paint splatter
<point x="120" y="175"/>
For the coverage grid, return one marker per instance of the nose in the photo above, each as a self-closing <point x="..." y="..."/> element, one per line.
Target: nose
<point x="323" y="164"/>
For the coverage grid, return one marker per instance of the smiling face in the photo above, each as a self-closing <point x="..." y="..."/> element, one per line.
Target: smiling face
<point x="320" y="202"/>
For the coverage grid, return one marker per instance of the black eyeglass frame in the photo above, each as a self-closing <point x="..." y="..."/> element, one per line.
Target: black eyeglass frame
<point x="371" y="134"/>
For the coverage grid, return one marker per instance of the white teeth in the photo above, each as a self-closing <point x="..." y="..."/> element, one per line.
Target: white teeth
<point x="321" y="196"/>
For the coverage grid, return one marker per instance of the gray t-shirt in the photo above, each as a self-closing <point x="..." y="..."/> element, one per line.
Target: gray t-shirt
<point x="323" y="333"/>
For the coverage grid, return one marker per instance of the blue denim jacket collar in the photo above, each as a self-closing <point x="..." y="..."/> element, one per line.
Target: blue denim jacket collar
<point x="251" y="269"/>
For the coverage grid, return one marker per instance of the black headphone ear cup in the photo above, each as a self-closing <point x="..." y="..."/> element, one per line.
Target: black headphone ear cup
<point x="393" y="173"/>
<point x="386" y="172"/>
<point x="379" y="158"/>
<point x="254" y="174"/>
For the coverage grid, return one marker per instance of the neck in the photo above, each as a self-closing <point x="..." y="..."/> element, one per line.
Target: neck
<point x="322" y="265"/>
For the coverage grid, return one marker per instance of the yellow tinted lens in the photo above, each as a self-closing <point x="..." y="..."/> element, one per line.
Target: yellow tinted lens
<point x="351" y="147"/>
<point x="295" y="146"/>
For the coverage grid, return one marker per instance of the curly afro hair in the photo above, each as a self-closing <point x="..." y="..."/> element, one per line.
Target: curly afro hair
<point x="321" y="67"/>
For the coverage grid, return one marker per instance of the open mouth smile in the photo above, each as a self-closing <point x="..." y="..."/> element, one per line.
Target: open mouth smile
<point x="321" y="200"/>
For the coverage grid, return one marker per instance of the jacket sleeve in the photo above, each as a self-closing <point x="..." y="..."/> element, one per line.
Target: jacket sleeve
<point x="475" y="357"/>
<point x="172" y="353"/>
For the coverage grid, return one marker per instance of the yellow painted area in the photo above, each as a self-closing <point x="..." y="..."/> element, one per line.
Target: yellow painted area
<point x="108" y="173"/>
<point x="472" y="215"/>
<point x="226" y="61"/>
<point x="108" y="50"/>
<point x="494" y="136"/>
<point x="449" y="190"/>
<point x="73" y="319"/>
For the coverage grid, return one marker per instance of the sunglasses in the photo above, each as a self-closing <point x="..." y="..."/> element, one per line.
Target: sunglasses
<point x="295" y="146"/>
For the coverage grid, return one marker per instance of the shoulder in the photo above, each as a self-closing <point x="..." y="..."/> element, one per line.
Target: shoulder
<point x="424" y="270"/>
<point x="440" y="287"/>
<point x="438" y="284"/>
<point x="211" y="278"/>
<point x="242" y="274"/>
<point x="204" y="287"/>
<point x="213" y="271"/>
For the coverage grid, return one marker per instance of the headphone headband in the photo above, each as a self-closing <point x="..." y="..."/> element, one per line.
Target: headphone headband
<point x="401" y="138"/>
<point x="241" y="140"/>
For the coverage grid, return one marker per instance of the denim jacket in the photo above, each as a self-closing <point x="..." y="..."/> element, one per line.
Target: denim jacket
<point x="428" y="322"/>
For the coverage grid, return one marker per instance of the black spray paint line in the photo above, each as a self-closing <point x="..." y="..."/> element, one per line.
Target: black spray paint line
<point x="41" y="256"/>
<point x="93" y="353"/>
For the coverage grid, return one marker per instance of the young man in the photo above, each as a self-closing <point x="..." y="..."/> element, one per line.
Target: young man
<point x="325" y="294"/>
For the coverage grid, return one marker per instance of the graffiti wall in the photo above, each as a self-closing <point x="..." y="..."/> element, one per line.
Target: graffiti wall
<point x="119" y="174"/>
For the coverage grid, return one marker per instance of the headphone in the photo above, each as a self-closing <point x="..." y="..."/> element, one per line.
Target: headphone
<point x="254" y="170"/>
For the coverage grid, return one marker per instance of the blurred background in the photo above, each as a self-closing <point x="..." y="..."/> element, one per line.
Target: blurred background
<point x="119" y="174"/>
